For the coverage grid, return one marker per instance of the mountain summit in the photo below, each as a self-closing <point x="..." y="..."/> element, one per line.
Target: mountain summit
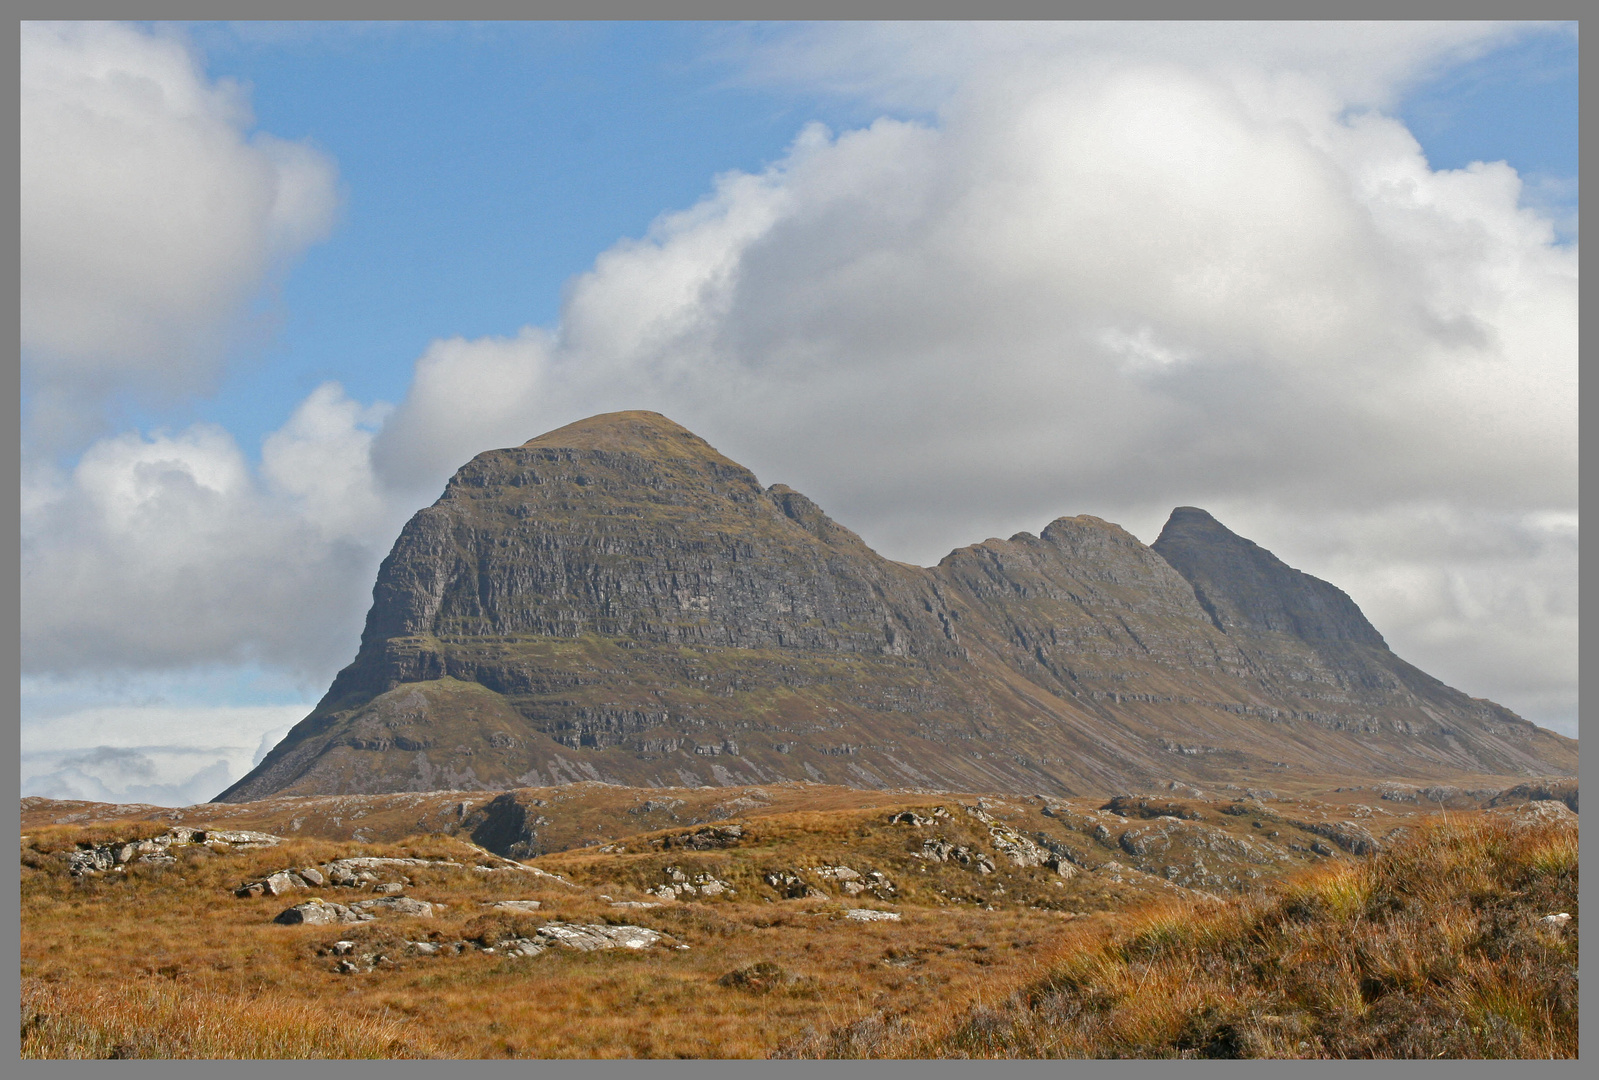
<point x="615" y="600"/>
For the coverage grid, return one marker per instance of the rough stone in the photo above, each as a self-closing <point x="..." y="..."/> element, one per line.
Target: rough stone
<point x="396" y="905"/>
<point x="281" y="882"/>
<point x="320" y="913"/>
<point x="515" y="905"/>
<point x="242" y="838"/>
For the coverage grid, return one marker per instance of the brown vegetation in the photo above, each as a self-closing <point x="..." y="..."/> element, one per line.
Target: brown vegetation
<point x="1429" y="947"/>
<point x="1435" y="949"/>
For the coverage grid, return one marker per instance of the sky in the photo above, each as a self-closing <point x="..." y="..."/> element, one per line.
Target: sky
<point x="952" y="281"/>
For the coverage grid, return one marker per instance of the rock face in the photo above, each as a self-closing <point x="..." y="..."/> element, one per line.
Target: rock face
<point x="617" y="601"/>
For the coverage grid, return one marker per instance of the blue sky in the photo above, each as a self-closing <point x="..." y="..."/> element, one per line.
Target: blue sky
<point x="512" y="154"/>
<point x="481" y="167"/>
<point x="950" y="281"/>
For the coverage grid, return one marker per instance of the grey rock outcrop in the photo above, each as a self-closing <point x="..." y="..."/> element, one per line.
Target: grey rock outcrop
<point x="516" y="906"/>
<point x="582" y="937"/>
<point x="320" y="913"/>
<point x="395" y="905"/>
<point x="157" y="850"/>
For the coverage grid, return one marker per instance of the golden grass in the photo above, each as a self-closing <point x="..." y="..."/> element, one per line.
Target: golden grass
<point x="1433" y="949"/>
<point x="113" y="938"/>
<point x="152" y="1020"/>
<point x="1431" y="939"/>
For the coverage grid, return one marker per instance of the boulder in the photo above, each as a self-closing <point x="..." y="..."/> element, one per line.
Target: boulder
<point x="281" y="882"/>
<point x="342" y="876"/>
<point x="868" y="915"/>
<point x="90" y="861"/>
<point x="1019" y="849"/>
<point x="319" y="913"/>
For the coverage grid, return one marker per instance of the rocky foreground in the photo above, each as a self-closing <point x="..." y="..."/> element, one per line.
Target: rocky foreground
<point x="703" y="922"/>
<point x="617" y="601"/>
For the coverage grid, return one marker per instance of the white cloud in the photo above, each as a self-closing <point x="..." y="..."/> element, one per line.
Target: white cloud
<point x="166" y="552"/>
<point x="1137" y="271"/>
<point x="106" y="754"/>
<point x="921" y="65"/>
<point x="150" y="216"/>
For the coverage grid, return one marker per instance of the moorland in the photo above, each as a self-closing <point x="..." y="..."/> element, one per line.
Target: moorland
<point x="806" y="920"/>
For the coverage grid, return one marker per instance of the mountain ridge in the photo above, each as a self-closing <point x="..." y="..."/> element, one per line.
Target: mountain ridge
<point x="616" y="600"/>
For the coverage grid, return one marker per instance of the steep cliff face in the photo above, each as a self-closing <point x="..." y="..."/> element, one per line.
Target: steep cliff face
<point x="616" y="600"/>
<point x="1245" y="588"/>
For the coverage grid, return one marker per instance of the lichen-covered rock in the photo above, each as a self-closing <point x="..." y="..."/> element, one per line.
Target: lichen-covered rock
<point x="582" y="937"/>
<point x="395" y="905"/>
<point x="242" y="838"/>
<point x="679" y="884"/>
<point x="523" y="906"/>
<point x="320" y="913"/>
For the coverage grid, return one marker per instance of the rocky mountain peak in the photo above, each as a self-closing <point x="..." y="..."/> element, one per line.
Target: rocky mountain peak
<point x="635" y="431"/>
<point x="1246" y="588"/>
<point x="618" y="601"/>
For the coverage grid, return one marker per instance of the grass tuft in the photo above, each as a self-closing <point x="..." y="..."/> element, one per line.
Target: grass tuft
<point x="1432" y="949"/>
<point x="151" y="1020"/>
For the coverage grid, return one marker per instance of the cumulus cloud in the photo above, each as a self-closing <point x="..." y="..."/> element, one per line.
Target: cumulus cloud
<point x="151" y="215"/>
<point x="166" y="551"/>
<point x="1137" y="267"/>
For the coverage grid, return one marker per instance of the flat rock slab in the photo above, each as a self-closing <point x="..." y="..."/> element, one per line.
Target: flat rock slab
<point x="238" y="838"/>
<point x="515" y="905"/>
<point x="373" y="862"/>
<point x="584" y="938"/>
<point x="319" y="913"/>
<point x="868" y="915"/>
<point x="395" y="905"/>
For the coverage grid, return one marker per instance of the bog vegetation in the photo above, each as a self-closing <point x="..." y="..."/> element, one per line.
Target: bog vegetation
<point x="1436" y="945"/>
<point x="1442" y="947"/>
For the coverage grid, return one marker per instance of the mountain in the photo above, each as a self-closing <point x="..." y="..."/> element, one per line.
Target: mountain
<point x="617" y="601"/>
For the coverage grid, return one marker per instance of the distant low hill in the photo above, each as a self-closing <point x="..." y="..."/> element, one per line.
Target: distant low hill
<point x="617" y="601"/>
